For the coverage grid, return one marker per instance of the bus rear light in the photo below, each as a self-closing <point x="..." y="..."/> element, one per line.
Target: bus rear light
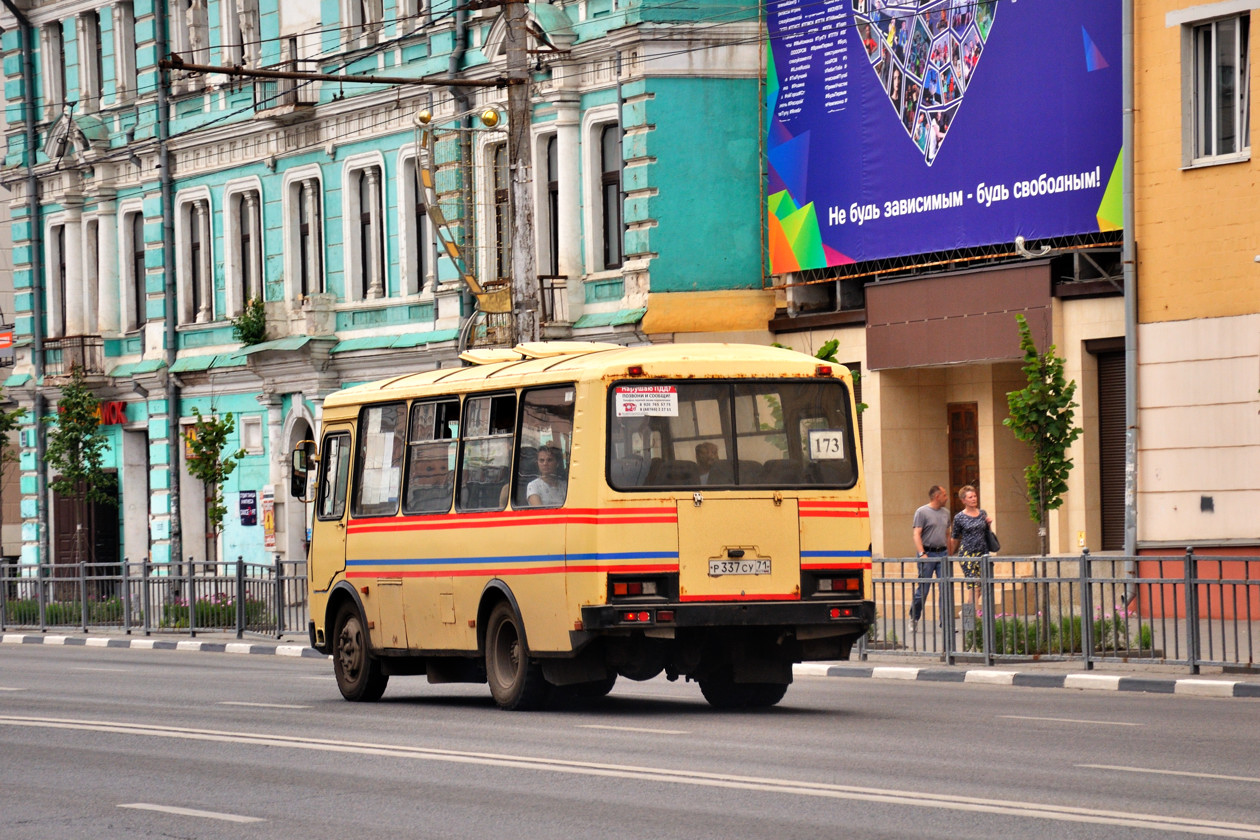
<point x="634" y="587"/>
<point x="635" y="370"/>
<point x="822" y="370"/>
<point x="845" y="584"/>
<point x="633" y="617"/>
<point x="665" y="615"/>
<point x="842" y="612"/>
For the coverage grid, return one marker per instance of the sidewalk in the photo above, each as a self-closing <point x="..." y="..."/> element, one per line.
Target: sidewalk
<point x="1153" y="679"/>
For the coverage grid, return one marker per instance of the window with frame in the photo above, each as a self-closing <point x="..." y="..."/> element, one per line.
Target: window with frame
<point x="486" y="454"/>
<point x="124" y="32"/>
<point x="610" y="164"/>
<point x="137" y="301"/>
<point x="56" y="318"/>
<point x="246" y="257"/>
<point x="501" y="195"/>
<point x="334" y="474"/>
<point x="364" y="21"/>
<point x="190" y="38"/>
<point x="196" y="265"/>
<point x="367" y="257"/>
<point x="541" y="478"/>
<point x="240" y="32"/>
<point x="432" y="444"/>
<point x="379" y="459"/>
<point x="1221" y="94"/>
<point x="91" y="60"/>
<point x="417" y="230"/>
<point x="53" y="50"/>
<point x="308" y="240"/>
<point x="252" y="434"/>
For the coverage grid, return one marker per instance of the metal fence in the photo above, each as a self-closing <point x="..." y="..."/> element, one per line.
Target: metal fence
<point x="258" y="598"/>
<point x="1183" y="610"/>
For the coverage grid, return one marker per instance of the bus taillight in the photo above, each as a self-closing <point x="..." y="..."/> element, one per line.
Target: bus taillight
<point x="641" y="617"/>
<point x="625" y="588"/>
<point x="842" y="612"/>
<point x="844" y="584"/>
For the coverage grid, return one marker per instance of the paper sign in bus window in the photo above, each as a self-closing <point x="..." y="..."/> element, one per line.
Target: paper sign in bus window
<point x="826" y="444"/>
<point x="647" y="401"/>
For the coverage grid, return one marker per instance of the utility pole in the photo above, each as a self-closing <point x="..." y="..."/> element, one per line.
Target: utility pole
<point x="524" y="268"/>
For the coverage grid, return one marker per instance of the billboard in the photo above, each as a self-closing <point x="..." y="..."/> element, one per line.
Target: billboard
<point x="900" y="127"/>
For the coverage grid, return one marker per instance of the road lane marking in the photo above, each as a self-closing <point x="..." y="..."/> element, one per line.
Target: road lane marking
<point x="635" y="729"/>
<point x="1074" y="720"/>
<point x="108" y="670"/>
<point x="191" y="812"/>
<point x="261" y="705"/>
<point x="5" y="688"/>
<point x="791" y="787"/>
<point x="1171" y="772"/>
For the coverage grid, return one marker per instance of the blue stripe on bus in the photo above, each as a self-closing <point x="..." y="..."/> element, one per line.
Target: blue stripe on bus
<point x="627" y="555"/>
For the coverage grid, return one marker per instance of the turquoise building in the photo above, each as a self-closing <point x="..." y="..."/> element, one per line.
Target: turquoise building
<point x="150" y="206"/>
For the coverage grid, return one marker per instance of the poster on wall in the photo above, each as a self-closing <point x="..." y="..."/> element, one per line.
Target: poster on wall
<point x="900" y="127"/>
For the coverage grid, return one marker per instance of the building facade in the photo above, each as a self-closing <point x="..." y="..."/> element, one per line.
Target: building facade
<point x="150" y="207"/>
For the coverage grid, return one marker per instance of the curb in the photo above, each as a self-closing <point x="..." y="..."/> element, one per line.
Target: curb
<point x="264" y="648"/>
<point x="1191" y="686"/>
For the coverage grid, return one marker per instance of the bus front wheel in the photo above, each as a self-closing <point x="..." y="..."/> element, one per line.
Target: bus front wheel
<point x="359" y="674"/>
<point x="723" y="692"/>
<point x="516" y="682"/>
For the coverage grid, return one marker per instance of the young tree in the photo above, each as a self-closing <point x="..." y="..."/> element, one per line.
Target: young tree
<point x="1041" y="416"/>
<point x="10" y="422"/>
<point x="76" y="453"/>
<point x="206" y="440"/>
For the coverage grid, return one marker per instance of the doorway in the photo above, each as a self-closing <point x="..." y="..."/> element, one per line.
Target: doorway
<point x="964" y="451"/>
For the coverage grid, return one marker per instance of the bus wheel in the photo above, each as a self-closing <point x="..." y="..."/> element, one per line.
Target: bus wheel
<point x="723" y="692"/>
<point x="516" y="682"/>
<point x="359" y="674"/>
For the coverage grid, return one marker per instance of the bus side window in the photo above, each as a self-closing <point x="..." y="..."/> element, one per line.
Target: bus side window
<point x="379" y="457"/>
<point x="542" y="457"/>
<point x="486" y="457"/>
<point x="334" y="470"/>
<point x="431" y="457"/>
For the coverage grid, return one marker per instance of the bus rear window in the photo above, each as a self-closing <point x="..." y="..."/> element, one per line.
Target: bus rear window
<point x="768" y="434"/>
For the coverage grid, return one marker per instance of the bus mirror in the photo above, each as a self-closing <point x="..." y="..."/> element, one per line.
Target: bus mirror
<point x="303" y="459"/>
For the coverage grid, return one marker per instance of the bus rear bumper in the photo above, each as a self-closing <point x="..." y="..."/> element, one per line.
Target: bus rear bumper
<point x="845" y="617"/>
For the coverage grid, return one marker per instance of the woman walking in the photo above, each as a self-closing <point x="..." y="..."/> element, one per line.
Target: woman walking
<point x="970" y="525"/>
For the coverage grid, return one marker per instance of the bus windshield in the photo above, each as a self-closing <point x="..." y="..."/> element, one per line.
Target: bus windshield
<point x="730" y="434"/>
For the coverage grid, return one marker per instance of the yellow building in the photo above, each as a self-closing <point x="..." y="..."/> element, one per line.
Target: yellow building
<point x="1198" y="244"/>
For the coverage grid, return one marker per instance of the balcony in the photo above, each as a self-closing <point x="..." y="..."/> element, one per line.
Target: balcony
<point x="85" y="352"/>
<point x="286" y="100"/>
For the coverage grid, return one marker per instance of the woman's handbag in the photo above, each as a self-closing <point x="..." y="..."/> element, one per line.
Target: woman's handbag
<point x="991" y="540"/>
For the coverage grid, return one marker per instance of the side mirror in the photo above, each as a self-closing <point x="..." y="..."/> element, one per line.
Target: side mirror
<point x="303" y="460"/>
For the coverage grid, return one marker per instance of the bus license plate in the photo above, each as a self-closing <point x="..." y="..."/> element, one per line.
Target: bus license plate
<point x="718" y="568"/>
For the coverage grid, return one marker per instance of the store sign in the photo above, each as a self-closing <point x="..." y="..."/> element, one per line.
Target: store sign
<point x="249" y="507"/>
<point x="113" y="413"/>
<point x="903" y="127"/>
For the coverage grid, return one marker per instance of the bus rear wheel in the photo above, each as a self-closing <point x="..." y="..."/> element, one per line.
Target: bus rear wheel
<point x="723" y="692"/>
<point x="516" y="681"/>
<point x="359" y="674"/>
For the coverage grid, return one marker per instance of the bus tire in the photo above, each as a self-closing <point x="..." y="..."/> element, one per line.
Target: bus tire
<point x="359" y="674"/>
<point x="516" y="681"/>
<point x="723" y="692"/>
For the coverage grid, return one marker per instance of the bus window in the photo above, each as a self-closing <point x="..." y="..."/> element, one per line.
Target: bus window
<point x="334" y="469"/>
<point x="489" y="424"/>
<point x="382" y="430"/>
<point x="431" y="447"/>
<point x="542" y="460"/>
<point x="730" y="434"/>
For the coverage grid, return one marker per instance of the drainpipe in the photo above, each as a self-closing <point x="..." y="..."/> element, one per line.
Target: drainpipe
<point x="30" y="117"/>
<point x="1129" y="260"/>
<point x="168" y="271"/>
<point x="454" y="64"/>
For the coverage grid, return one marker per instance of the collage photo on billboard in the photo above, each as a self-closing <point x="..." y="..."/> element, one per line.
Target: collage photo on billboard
<point x="924" y="52"/>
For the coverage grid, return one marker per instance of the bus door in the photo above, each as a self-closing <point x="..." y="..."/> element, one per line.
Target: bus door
<point x="328" y="531"/>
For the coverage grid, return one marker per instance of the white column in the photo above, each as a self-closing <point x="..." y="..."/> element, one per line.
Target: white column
<point x="109" y="301"/>
<point x="569" y="189"/>
<point x="376" y="261"/>
<point x="76" y="300"/>
<point x="316" y="240"/>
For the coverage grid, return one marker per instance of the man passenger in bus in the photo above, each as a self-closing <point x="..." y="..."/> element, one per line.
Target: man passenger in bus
<point x="549" y="489"/>
<point x="706" y="457"/>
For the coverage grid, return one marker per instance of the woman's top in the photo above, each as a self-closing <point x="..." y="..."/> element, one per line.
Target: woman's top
<point x="970" y="530"/>
<point x="549" y="495"/>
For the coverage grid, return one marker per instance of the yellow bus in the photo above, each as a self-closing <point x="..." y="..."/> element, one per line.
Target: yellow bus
<point x="554" y="516"/>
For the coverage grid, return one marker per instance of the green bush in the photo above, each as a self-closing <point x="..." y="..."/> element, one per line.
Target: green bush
<point x="215" y="611"/>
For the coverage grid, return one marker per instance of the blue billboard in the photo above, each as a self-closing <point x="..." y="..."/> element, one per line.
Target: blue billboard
<point x="901" y="127"/>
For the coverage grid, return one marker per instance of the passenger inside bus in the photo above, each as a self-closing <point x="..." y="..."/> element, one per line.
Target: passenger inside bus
<point x="551" y="485"/>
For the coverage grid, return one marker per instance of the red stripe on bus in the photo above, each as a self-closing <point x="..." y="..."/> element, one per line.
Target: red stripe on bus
<point x="501" y="572"/>
<point x="579" y="516"/>
<point x="784" y="596"/>
<point x="813" y="566"/>
<point x="392" y="526"/>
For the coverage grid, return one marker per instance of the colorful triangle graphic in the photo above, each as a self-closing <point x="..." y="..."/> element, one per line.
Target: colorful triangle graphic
<point x="1093" y="56"/>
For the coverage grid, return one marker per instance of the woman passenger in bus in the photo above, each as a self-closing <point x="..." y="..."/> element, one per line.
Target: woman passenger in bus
<point x="549" y="489"/>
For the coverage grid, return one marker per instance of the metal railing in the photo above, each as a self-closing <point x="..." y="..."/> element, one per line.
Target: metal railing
<point x="1182" y="610"/>
<point x="266" y="599"/>
<point x="63" y="355"/>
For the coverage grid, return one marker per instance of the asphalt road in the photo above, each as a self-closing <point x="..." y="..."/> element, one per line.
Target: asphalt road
<point x="115" y="743"/>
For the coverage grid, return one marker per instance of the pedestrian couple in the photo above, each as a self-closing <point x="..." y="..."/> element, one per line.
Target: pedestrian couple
<point x="936" y="537"/>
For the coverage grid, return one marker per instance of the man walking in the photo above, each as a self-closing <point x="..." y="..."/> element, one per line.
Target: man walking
<point x="933" y="542"/>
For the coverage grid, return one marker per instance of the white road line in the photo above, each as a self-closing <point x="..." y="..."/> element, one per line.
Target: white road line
<point x="4" y="688"/>
<point x="1172" y="773"/>
<point x="191" y="812"/>
<point x="261" y="705"/>
<point x="108" y="670"/>
<point x="635" y="729"/>
<point x="1074" y="720"/>
<point x="789" y="787"/>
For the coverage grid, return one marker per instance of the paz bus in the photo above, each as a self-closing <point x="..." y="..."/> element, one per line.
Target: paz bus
<point x="552" y="517"/>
